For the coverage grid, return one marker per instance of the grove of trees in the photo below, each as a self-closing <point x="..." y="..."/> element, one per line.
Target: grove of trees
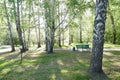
<point x="52" y="23"/>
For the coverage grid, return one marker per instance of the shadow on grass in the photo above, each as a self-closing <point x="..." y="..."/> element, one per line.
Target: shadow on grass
<point x="3" y="53"/>
<point x="61" y="65"/>
<point x="99" y="76"/>
<point x="115" y="52"/>
<point x="111" y="64"/>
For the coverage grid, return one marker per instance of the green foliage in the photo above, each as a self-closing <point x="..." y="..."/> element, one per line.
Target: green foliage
<point x="74" y="9"/>
<point x="4" y="36"/>
<point x="47" y="4"/>
<point x="115" y="9"/>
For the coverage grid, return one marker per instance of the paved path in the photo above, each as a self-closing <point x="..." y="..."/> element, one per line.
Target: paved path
<point x="5" y="48"/>
<point x="8" y="48"/>
<point x="105" y="49"/>
<point x="111" y="49"/>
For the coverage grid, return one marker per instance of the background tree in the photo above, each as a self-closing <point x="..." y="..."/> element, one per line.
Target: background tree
<point x="18" y="27"/>
<point x="9" y="27"/>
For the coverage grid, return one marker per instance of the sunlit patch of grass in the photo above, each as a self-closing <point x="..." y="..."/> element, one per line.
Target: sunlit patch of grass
<point x="108" y="53"/>
<point x="64" y="71"/>
<point x="37" y="65"/>
<point x="111" y="64"/>
<point x="63" y="46"/>
<point x="5" y="71"/>
<point x="61" y="65"/>
<point x="109" y="45"/>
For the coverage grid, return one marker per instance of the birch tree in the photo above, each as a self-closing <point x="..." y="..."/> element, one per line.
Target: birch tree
<point x="98" y="36"/>
<point x="9" y="27"/>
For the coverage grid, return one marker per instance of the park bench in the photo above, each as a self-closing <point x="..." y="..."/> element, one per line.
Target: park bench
<point x="83" y="46"/>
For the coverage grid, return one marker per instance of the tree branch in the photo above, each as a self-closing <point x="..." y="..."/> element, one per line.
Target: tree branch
<point x="61" y="21"/>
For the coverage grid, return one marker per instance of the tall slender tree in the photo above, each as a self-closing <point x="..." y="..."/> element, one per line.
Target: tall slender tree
<point x="29" y="22"/>
<point x="52" y="31"/>
<point x="39" y="25"/>
<point x="80" y="27"/>
<point x="9" y="27"/>
<point x="50" y="25"/>
<point x="22" y="26"/>
<point x="59" y="29"/>
<point x="98" y="36"/>
<point x="113" y="24"/>
<point x="19" y="31"/>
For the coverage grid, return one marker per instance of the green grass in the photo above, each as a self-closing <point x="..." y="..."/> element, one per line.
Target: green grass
<point x="61" y="65"/>
<point x="63" y="46"/>
<point x="37" y="65"/>
<point x="108" y="45"/>
<point x="111" y="64"/>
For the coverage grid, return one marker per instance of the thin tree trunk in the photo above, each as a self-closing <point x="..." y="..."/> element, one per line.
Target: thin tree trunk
<point x="63" y="38"/>
<point x="47" y="39"/>
<point x="52" y="41"/>
<point x="10" y="31"/>
<point x="19" y="31"/>
<point x="80" y="33"/>
<point x="113" y="25"/>
<point x="21" y="56"/>
<point x="59" y="31"/>
<point x="52" y="31"/>
<point x="28" y="39"/>
<point x="114" y="30"/>
<point x="98" y="36"/>
<point x="36" y="31"/>
<point x="69" y="36"/>
<point x="59" y="37"/>
<point x="50" y="27"/>
<point x="39" y="41"/>
<point x="80" y="27"/>
<point x="22" y="27"/>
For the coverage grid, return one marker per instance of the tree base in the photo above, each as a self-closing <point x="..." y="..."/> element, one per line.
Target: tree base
<point x="98" y="76"/>
<point x="13" y="50"/>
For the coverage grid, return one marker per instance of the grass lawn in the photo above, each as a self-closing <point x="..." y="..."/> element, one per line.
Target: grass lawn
<point x="106" y="45"/>
<point x="109" y="45"/>
<point x="61" y="65"/>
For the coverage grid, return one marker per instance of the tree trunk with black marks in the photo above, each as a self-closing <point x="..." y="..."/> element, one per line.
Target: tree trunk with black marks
<point x="19" y="31"/>
<point x="98" y="36"/>
<point x="52" y="30"/>
<point x="50" y="26"/>
<point x="22" y="28"/>
<point x="9" y="27"/>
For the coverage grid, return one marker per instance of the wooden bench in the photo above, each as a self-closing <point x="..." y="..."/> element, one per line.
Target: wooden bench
<point x="82" y="46"/>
